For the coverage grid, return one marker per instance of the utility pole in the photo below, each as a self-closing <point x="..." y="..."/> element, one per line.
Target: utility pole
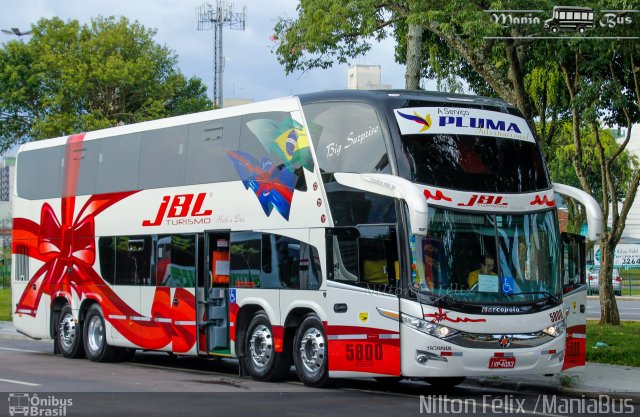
<point x="216" y="17"/>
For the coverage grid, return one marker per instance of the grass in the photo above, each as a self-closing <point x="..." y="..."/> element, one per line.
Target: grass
<point x="623" y="343"/>
<point x="5" y="304"/>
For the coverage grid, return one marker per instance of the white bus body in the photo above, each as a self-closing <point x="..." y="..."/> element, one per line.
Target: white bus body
<point x="308" y="230"/>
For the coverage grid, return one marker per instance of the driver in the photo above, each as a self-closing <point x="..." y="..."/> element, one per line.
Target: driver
<point x="487" y="263"/>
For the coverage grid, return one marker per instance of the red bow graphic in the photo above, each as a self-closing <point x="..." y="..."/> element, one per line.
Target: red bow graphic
<point x="67" y="248"/>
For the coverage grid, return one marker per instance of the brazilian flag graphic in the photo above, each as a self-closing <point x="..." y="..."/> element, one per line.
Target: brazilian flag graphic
<point x="286" y="138"/>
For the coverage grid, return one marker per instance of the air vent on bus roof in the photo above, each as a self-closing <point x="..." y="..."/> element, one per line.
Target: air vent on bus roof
<point x="461" y="99"/>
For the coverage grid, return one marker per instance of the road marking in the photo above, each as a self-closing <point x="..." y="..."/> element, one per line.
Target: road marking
<point x="11" y="381"/>
<point x="21" y="350"/>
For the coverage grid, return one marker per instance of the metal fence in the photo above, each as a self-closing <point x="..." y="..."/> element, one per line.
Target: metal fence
<point x="630" y="276"/>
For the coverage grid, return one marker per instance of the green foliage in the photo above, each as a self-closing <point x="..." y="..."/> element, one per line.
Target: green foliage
<point x="622" y="343"/>
<point x="5" y="304"/>
<point x="71" y="77"/>
<point x="562" y="151"/>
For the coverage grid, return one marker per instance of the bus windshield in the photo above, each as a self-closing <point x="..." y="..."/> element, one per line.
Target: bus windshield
<point x="487" y="258"/>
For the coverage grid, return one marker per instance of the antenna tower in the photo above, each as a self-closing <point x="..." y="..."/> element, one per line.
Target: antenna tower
<point x="217" y="16"/>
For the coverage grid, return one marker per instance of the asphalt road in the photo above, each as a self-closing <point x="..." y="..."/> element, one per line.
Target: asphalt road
<point x="155" y="384"/>
<point x="629" y="310"/>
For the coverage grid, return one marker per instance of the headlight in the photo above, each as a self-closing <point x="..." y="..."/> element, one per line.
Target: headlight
<point x="556" y="329"/>
<point x="432" y="329"/>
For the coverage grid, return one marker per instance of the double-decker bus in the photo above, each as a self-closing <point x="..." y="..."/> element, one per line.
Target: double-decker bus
<point x="350" y="234"/>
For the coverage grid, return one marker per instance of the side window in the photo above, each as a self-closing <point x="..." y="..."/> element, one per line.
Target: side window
<point x="86" y="154"/>
<point x="133" y="260"/>
<point x="39" y="173"/>
<point x="207" y="154"/>
<point x="347" y="137"/>
<point x="163" y="155"/>
<point x="245" y="257"/>
<point x="22" y="263"/>
<point x="366" y="256"/>
<point x="118" y="164"/>
<point x="176" y="261"/>
<point x="107" y="255"/>
<point x="573" y="262"/>
<point x="280" y="262"/>
<point x="310" y="269"/>
<point x="272" y="261"/>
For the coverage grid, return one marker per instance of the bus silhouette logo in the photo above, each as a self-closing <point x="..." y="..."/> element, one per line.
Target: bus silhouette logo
<point x="570" y="18"/>
<point x="19" y="404"/>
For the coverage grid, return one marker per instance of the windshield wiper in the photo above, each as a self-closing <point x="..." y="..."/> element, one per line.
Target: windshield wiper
<point x="438" y="300"/>
<point x="548" y="295"/>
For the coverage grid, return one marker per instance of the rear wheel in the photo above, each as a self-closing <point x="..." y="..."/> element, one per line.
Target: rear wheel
<point x="69" y="334"/>
<point x="310" y="352"/>
<point x="95" y="338"/>
<point x="261" y="360"/>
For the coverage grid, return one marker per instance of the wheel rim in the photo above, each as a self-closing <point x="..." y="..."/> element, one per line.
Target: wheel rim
<point x="261" y="346"/>
<point x="312" y="350"/>
<point x="67" y="332"/>
<point x="95" y="334"/>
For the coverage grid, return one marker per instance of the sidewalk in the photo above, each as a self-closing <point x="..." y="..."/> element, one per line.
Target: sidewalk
<point x="616" y="381"/>
<point x="7" y="331"/>
<point x="595" y="379"/>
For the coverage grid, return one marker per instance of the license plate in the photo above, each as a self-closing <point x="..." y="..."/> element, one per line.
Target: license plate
<point x="502" y="363"/>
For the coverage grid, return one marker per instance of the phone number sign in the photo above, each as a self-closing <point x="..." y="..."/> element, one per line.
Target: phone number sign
<point x="626" y="254"/>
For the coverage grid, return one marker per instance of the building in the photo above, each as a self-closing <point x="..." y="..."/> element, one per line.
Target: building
<point x="365" y="77"/>
<point x="628" y="249"/>
<point x="631" y="232"/>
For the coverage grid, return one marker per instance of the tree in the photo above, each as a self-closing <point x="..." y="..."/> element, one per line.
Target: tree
<point x="572" y="82"/>
<point x="70" y="77"/>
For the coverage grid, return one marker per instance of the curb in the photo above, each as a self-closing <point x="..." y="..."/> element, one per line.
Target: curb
<point x="520" y="386"/>
<point x="618" y="298"/>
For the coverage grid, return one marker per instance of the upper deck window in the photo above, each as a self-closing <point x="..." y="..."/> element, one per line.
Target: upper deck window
<point x="347" y="137"/>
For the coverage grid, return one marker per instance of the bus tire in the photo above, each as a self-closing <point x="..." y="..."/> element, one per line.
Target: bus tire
<point x="69" y="334"/>
<point x="554" y="29"/>
<point x="95" y="337"/>
<point x="261" y="360"/>
<point x="310" y="352"/>
<point x="445" y="382"/>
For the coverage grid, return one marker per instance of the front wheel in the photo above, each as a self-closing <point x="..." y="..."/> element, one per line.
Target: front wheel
<point x="69" y="334"/>
<point x="261" y="360"/>
<point x="95" y="337"/>
<point x="310" y="352"/>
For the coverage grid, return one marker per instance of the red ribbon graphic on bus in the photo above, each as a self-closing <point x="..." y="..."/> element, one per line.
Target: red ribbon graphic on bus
<point x="442" y="316"/>
<point x="542" y="201"/>
<point x="67" y="248"/>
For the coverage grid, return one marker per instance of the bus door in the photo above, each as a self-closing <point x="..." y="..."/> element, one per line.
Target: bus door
<point x="575" y="299"/>
<point x="214" y="308"/>
<point x="363" y="329"/>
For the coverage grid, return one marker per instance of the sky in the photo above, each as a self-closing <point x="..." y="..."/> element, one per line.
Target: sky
<point x="251" y="69"/>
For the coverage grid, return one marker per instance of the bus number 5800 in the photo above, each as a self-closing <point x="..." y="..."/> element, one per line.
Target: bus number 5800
<point x="365" y="352"/>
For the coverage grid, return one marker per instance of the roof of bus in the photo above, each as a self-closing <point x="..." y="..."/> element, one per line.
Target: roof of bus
<point x="435" y="96"/>
<point x="268" y="105"/>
